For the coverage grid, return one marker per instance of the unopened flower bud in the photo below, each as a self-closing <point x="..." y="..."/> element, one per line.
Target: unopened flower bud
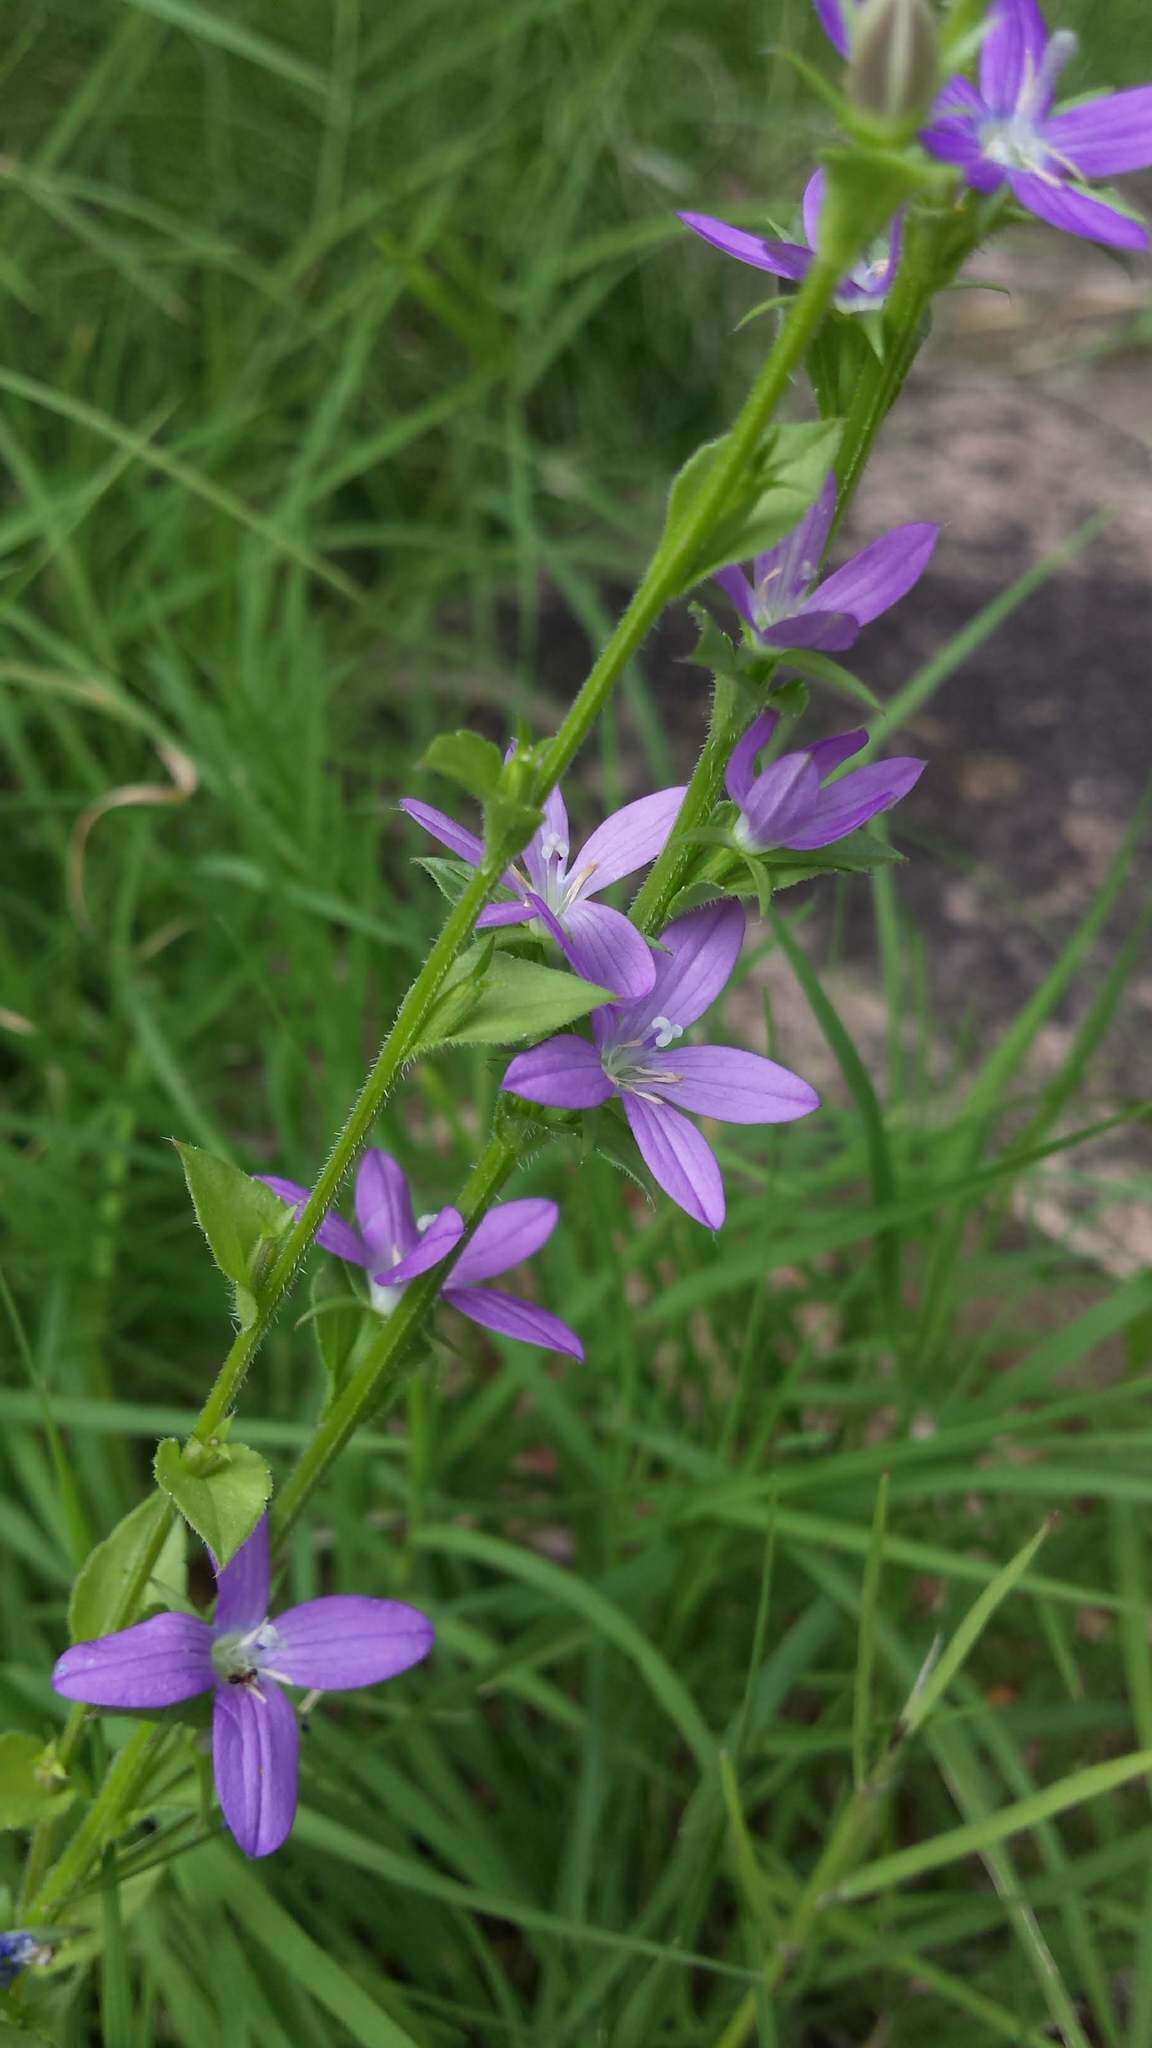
<point x="894" y="69"/>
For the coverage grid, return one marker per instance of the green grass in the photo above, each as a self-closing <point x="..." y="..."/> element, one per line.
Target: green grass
<point x="344" y="355"/>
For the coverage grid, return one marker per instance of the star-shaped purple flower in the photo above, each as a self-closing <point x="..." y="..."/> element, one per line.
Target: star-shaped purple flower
<point x="393" y="1247"/>
<point x="1007" y="130"/>
<point x="784" y="604"/>
<point x="863" y="290"/>
<point x="793" y="805"/>
<point x="632" y="1057"/>
<point x="243" y="1658"/>
<point x="557" y="894"/>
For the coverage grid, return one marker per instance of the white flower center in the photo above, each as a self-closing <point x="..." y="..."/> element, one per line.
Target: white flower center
<point x="385" y="1300"/>
<point x="1014" y="140"/>
<point x="629" y="1067"/>
<point x="242" y="1657"/>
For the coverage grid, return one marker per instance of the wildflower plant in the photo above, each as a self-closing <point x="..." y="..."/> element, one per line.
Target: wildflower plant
<point x="585" y="1009"/>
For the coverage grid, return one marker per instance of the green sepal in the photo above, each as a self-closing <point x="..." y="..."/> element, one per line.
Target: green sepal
<point x="33" y="1785"/>
<point x="820" y="668"/>
<point x="339" y="1321"/>
<point x="222" y="1504"/>
<point x="97" y="1604"/>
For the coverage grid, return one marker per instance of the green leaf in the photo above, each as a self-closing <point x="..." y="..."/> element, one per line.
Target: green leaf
<point x="450" y="876"/>
<point x="820" y="668"/>
<point x="223" y="1503"/>
<point x="96" y="1607"/>
<point x="858" y="854"/>
<point x="468" y="759"/>
<point x="782" y="482"/>
<point x="240" y="1217"/>
<point x="32" y="1783"/>
<point x="518" y="1001"/>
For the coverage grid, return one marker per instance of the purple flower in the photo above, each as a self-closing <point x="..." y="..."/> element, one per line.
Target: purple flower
<point x="792" y="804"/>
<point x="17" y="1951"/>
<point x="393" y="1246"/>
<point x="600" y="943"/>
<point x="631" y="1058"/>
<point x="865" y="288"/>
<point x="243" y="1659"/>
<point x="786" y="607"/>
<point x="1008" y="130"/>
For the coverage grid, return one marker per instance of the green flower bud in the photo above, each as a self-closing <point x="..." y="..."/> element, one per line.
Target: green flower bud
<point x="894" y="70"/>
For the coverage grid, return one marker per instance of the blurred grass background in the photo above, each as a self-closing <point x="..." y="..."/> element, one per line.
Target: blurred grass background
<point x="345" y="351"/>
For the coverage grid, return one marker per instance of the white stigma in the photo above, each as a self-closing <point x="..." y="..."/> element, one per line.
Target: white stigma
<point x="553" y="847"/>
<point x="665" y="1032"/>
<point x="422" y="1223"/>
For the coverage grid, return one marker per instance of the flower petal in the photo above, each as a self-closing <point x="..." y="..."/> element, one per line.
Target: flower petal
<point x="783" y="259"/>
<point x="678" y="1158"/>
<point x="781" y="799"/>
<point x="829" y="632"/>
<point x="504" y="913"/>
<point x="334" y="1234"/>
<point x="603" y="947"/>
<point x="384" y="1207"/>
<point x="347" y="1640"/>
<point x="826" y="755"/>
<point x="627" y="840"/>
<point x="742" y="761"/>
<point x="455" y="837"/>
<point x="508" y="1235"/>
<point x="442" y="1236"/>
<point x="834" y="19"/>
<point x="556" y="821"/>
<point x="1104" y="136"/>
<point x="957" y="140"/>
<point x="792" y="566"/>
<point x="844" y="806"/>
<point x="700" y="951"/>
<point x="514" y="1318"/>
<point x="735" y="1086"/>
<point x="1012" y="53"/>
<point x="736" y="586"/>
<point x="256" y="1757"/>
<point x="563" y="1073"/>
<point x="242" y="1586"/>
<point x="882" y="573"/>
<point x="1077" y="213"/>
<point x="812" y="206"/>
<point x="155" y="1664"/>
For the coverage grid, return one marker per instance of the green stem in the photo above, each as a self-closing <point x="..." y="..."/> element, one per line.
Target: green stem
<point x="378" y="1375"/>
<point x="670" y="870"/>
<point x="670" y="571"/>
<point x="98" y="1826"/>
<point x="399" y="1046"/>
